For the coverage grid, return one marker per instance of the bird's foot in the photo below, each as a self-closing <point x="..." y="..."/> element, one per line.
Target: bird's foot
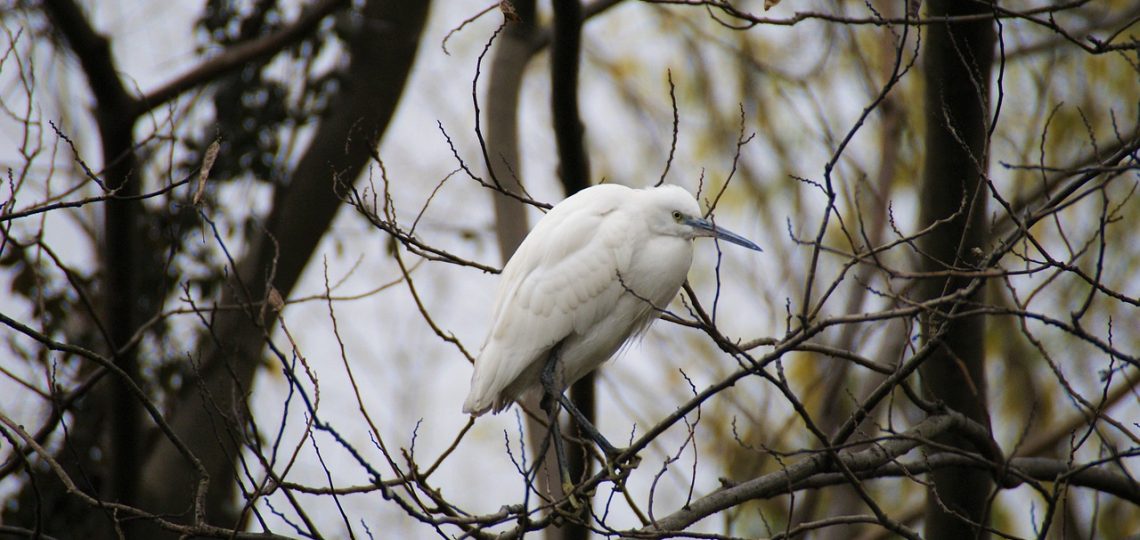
<point x="619" y="463"/>
<point x="571" y="497"/>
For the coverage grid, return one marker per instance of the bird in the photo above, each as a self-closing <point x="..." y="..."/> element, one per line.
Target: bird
<point x="597" y="270"/>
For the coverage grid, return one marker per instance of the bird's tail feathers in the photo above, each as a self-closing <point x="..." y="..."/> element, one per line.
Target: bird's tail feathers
<point x="475" y="404"/>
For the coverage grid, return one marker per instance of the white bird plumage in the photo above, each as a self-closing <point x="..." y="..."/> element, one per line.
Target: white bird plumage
<point x="596" y="270"/>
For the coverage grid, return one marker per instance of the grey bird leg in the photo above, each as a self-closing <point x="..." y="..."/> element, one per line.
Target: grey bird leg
<point x="584" y="424"/>
<point x="588" y="428"/>
<point x="550" y="404"/>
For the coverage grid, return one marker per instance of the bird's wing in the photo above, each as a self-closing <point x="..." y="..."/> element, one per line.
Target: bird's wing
<point x="575" y="280"/>
<point x="562" y="279"/>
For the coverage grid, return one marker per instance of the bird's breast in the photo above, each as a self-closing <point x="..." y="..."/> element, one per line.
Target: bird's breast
<point x="648" y="278"/>
<point x="658" y="268"/>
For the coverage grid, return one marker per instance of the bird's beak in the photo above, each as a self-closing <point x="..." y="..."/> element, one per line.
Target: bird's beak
<point x="704" y="227"/>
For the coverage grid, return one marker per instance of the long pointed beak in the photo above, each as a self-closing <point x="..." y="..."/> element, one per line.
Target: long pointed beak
<point x="704" y="227"/>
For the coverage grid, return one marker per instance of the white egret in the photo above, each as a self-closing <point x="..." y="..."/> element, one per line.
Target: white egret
<point x="598" y="268"/>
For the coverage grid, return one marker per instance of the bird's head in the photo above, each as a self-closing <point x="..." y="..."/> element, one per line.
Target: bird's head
<point x="673" y="211"/>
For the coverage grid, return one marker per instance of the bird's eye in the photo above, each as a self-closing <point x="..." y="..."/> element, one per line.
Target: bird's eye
<point x="677" y="215"/>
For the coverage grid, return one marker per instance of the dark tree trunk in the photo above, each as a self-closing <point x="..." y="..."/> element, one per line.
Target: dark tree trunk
<point x="957" y="59"/>
<point x="110" y="420"/>
<point x="382" y="51"/>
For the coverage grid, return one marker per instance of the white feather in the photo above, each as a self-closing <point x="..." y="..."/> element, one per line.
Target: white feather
<point x="595" y="270"/>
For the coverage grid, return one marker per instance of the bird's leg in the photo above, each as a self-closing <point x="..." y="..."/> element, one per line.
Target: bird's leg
<point x="588" y="428"/>
<point x="550" y="402"/>
<point x="553" y="391"/>
<point x="551" y="407"/>
<point x="612" y="453"/>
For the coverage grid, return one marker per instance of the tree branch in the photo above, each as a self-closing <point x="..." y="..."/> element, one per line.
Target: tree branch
<point x="235" y="57"/>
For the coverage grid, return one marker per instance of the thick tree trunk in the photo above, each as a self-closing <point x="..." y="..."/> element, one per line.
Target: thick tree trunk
<point x="105" y="441"/>
<point x="957" y="60"/>
<point x="208" y="413"/>
<point x="508" y="65"/>
<point x="111" y="419"/>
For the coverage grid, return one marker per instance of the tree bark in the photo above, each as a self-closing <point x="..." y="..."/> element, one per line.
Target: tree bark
<point x="112" y="420"/>
<point x="105" y="442"/>
<point x="957" y="60"/>
<point x="208" y="412"/>
<point x="512" y="54"/>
